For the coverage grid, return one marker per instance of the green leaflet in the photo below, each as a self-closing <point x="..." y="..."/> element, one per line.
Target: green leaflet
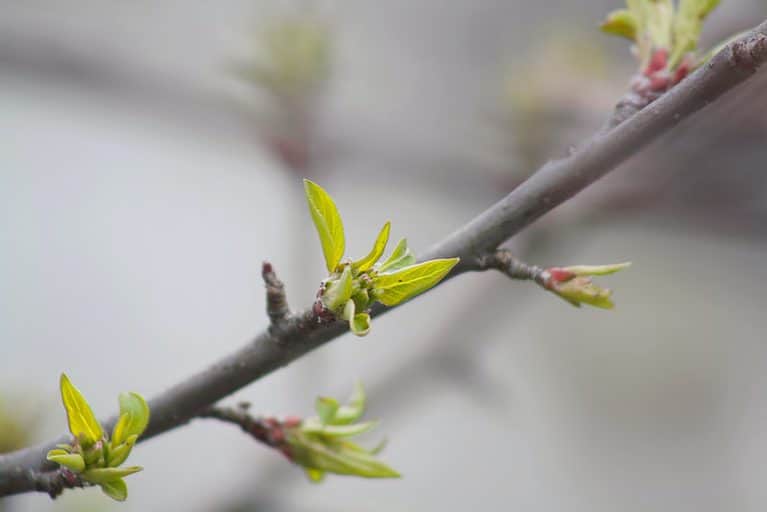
<point x="343" y="458"/>
<point x="116" y="489"/>
<point x="360" y="324"/>
<point x="401" y="257"/>
<point x="376" y="252"/>
<point x="105" y="475"/>
<point x="329" y="430"/>
<point x="597" y="270"/>
<point x="118" y="454"/>
<point x="73" y="461"/>
<point x="328" y="223"/>
<point x="403" y="284"/>
<point x="339" y="291"/>
<point x="82" y="423"/>
<point x="354" y="409"/>
<point x="134" y="417"/>
<point x="581" y="290"/>
<point x="688" y="25"/>
<point x="621" y="23"/>
<point x="326" y="408"/>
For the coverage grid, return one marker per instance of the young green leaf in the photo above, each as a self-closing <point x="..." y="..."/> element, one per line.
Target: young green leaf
<point x="338" y="458"/>
<point x="105" y="475"/>
<point x="328" y="222"/>
<point x="326" y="408"/>
<point x="339" y="291"/>
<point x="597" y="270"/>
<point x="118" y="454"/>
<point x="354" y="409"/>
<point x="134" y="417"/>
<point x="82" y="422"/>
<point x="73" y="461"/>
<point x="360" y="324"/>
<point x="581" y="290"/>
<point x="621" y="23"/>
<point x="401" y="257"/>
<point x="312" y="427"/>
<point x="376" y="252"/>
<point x="403" y="284"/>
<point x="116" y="489"/>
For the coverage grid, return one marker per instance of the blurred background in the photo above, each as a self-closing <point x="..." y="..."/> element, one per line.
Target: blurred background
<point x="152" y="155"/>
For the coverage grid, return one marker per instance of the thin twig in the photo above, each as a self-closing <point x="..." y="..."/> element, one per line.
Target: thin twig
<point x="551" y="186"/>
<point x="276" y="298"/>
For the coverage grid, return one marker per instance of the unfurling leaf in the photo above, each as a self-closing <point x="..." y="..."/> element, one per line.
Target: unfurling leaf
<point x="597" y="270"/>
<point x="134" y="418"/>
<point x="326" y="408"/>
<point x="376" y="252"/>
<point x="360" y="324"/>
<point x="394" y="287"/>
<point x="621" y="23"/>
<point x="328" y="223"/>
<point x="329" y="430"/>
<point x="73" y="461"/>
<point x="582" y="290"/>
<point x="352" y="411"/>
<point x="339" y="291"/>
<point x="115" y="489"/>
<point x="401" y="257"/>
<point x="339" y="457"/>
<point x="82" y="423"/>
<point x="118" y="454"/>
<point x="105" y="475"/>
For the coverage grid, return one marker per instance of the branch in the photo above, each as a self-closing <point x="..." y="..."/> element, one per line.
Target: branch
<point x="552" y="185"/>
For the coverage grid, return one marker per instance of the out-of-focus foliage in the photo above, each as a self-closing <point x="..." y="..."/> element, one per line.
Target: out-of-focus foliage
<point x="321" y="444"/>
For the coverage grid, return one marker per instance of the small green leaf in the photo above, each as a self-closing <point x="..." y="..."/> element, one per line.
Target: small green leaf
<point x="354" y="409"/>
<point x="82" y="422"/>
<point x="328" y="222"/>
<point x="120" y="453"/>
<point x="360" y="324"/>
<point x="93" y="454"/>
<point x="326" y="408"/>
<point x="401" y="257"/>
<point x="134" y="417"/>
<point x="660" y="17"/>
<point x="395" y="287"/>
<point x="597" y="270"/>
<point x="375" y="253"/>
<point x="339" y="291"/>
<point x="688" y="25"/>
<point x="329" y="430"/>
<point x="621" y="23"/>
<point x="73" y="461"/>
<point x="116" y="489"/>
<point x="341" y="457"/>
<point x="315" y="475"/>
<point x="105" y="475"/>
<point x="582" y="290"/>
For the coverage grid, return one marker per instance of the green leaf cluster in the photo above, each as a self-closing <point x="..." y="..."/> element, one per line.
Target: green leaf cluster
<point x="574" y="284"/>
<point x="93" y="455"/>
<point x="661" y="24"/>
<point x="354" y="285"/>
<point x="321" y="444"/>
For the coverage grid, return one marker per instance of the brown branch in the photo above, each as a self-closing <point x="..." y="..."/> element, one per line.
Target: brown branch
<point x="551" y="186"/>
<point x="267" y="430"/>
<point x="276" y="299"/>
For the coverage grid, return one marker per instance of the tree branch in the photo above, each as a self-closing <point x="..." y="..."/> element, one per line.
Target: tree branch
<point x="553" y="184"/>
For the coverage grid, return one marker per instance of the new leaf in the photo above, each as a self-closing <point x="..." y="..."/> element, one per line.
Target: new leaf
<point x="328" y="222"/>
<point x="395" y="287"/>
<point x="82" y="422"/>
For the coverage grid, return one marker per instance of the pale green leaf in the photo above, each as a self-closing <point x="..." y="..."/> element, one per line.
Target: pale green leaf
<point x="376" y="252"/>
<point x="339" y="291"/>
<point x="621" y="23"/>
<point x="116" y="489"/>
<point x="360" y="324"/>
<point x="339" y="458"/>
<point x="395" y="287"/>
<point x="401" y="257"/>
<point x="118" y="454"/>
<point x="581" y="290"/>
<point x="351" y="430"/>
<point x="134" y="417"/>
<point x="326" y="408"/>
<point x="73" y="461"/>
<point x="104" y="475"/>
<point x="597" y="270"/>
<point x="82" y="422"/>
<point x="354" y="409"/>
<point x="328" y="223"/>
<point x="688" y="26"/>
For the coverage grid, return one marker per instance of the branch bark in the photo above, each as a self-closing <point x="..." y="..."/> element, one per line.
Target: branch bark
<point x="552" y="185"/>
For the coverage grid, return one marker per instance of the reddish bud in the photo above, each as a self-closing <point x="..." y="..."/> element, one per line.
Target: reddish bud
<point x="658" y="61"/>
<point x="559" y="275"/>
<point x="292" y="422"/>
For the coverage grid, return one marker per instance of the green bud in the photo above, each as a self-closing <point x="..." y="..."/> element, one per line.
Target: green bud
<point x="120" y="453"/>
<point x="105" y="475"/>
<point x="73" y="461"/>
<point x="115" y="489"/>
